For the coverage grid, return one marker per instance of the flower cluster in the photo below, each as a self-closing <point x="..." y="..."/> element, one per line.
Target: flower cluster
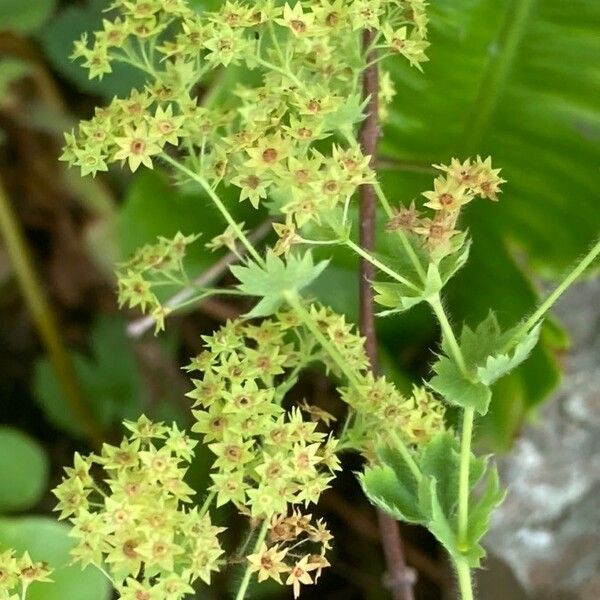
<point x="295" y="548"/>
<point x="134" y="522"/>
<point x="381" y="412"/>
<point x="17" y="574"/>
<point x="267" y="457"/>
<point x="459" y="185"/>
<point x="272" y="138"/>
<point x="151" y="267"/>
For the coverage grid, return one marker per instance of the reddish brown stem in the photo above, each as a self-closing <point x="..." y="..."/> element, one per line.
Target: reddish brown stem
<point x="400" y="578"/>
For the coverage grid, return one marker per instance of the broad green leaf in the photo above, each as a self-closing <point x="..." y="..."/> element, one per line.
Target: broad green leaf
<point x="46" y="540"/>
<point x="109" y="379"/>
<point x="23" y="470"/>
<point x="501" y="82"/>
<point x="24" y="16"/>
<point x="271" y="281"/>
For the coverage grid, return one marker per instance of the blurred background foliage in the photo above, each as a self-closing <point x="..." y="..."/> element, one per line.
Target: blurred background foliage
<point x="517" y="79"/>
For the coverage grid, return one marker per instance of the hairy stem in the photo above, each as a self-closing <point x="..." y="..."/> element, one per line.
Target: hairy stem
<point x="44" y="319"/>
<point x="219" y="204"/>
<point x="262" y="534"/>
<point x="463" y="481"/>
<point x="366" y="256"/>
<point x="465" y="584"/>
<point x="465" y="447"/>
<point x="585" y="262"/>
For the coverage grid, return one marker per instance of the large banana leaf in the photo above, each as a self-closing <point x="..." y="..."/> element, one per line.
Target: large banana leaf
<point x="520" y="80"/>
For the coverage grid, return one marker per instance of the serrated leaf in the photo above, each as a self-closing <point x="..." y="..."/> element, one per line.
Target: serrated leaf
<point x="456" y="389"/>
<point x="489" y="354"/>
<point x="401" y="297"/>
<point x="481" y="511"/>
<point x="440" y="460"/>
<point x="498" y="365"/>
<point x="438" y="522"/>
<point x="393" y="496"/>
<point x="352" y="110"/>
<point x="272" y="281"/>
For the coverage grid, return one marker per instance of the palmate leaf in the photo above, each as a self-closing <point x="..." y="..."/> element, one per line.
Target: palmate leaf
<point x="515" y="79"/>
<point x="273" y="280"/>
<point x="489" y="354"/>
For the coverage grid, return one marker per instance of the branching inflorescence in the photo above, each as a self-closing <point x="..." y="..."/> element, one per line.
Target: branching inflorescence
<point x="265" y="98"/>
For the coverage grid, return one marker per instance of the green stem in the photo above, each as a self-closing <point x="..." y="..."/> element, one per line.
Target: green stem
<point x="307" y="319"/>
<point x="275" y="43"/>
<point x="222" y="208"/>
<point x="464" y="579"/>
<point x="381" y="266"/>
<point x="463" y="481"/>
<point x="467" y="426"/>
<point x="241" y="594"/>
<point x="438" y="309"/>
<point x="560" y="289"/>
<point x="408" y="459"/>
<point x="280" y="70"/>
<point x="410" y="251"/>
<point x="44" y="318"/>
<point x="207" y="503"/>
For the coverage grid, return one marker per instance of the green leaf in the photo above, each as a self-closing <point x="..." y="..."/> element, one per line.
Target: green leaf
<point x="400" y="297"/>
<point x="501" y="82"/>
<point x="481" y="511"/>
<point x="46" y="540"/>
<point x="24" y="17"/>
<point x="438" y="523"/>
<point x="498" y="365"/>
<point x="275" y="279"/>
<point x="456" y="389"/>
<point x="109" y="379"/>
<point x="393" y="495"/>
<point x="440" y="460"/>
<point x="24" y="469"/>
<point x="489" y="354"/>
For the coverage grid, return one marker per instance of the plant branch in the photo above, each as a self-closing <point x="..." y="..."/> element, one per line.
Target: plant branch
<point x="400" y="578"/>
<point x="44" y="319"/>
<point x="219" y="204"/>
<point x="140" y="326"/>
<point x="585" y="262"/>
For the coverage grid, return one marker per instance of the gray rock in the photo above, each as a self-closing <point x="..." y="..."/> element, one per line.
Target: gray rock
<point x="548" y="529"/>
